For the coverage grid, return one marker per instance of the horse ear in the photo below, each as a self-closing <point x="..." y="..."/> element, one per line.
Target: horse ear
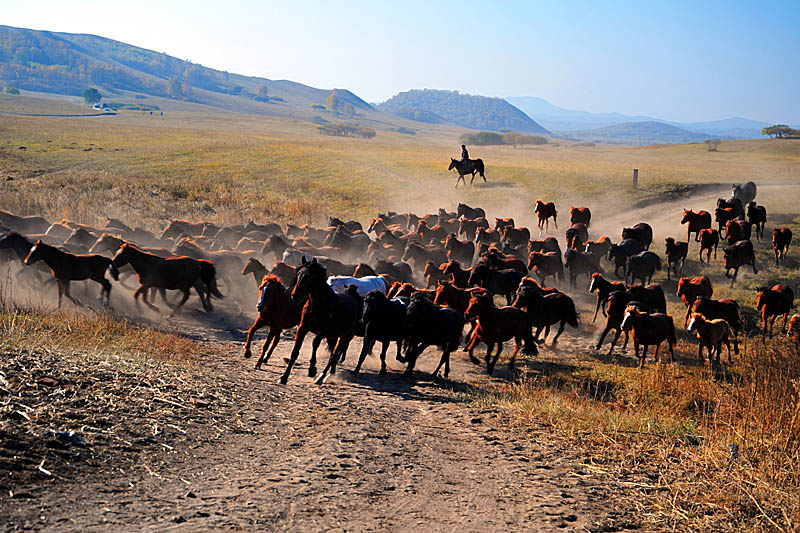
<point x="314" y="261"/>
<point x="303" y="260"/>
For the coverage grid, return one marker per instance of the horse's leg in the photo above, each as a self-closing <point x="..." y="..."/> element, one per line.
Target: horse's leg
<point x="412" y="356"/>
<point x="636" y="353"/>
<point x="66" y="292"/>
<point x="105" y="289"/>
<point x="298" y="343"/>
<point x="366" y="346"/>
<point x="205" y="296"/>
<point x="615" y="339"/>
<point x="60" y="292"/>
<point x="258" y="324"/>
<point x="603" y="336"/>
<point x="385" y="348"/>
<point x="271" y="336"/>
<point x="597" y="307"/>
<point x="560" y="330"/>
<point x="470" y="335"/>
<point x="655" y="354"/>
<point x="312" y="365"/>
<point x="180" y="303"/>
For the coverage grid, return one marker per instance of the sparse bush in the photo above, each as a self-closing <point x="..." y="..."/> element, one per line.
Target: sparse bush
<point x="12" y="90"/>
<point x="712" y="144"/>
<point x="318" y="107"/>
<point x="404" y="130"/>
<point x="513" y="138"/>
<point x="346" y="130"/>
<point x="482" y="138"/>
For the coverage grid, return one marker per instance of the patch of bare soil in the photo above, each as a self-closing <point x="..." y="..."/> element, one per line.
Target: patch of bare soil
<point x="215" y="445"/>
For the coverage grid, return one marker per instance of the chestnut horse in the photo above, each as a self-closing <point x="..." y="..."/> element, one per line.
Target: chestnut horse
<point x="276" y="310"/>
<point x="497" y="325"/>
<point x="697" y="221"/>
<point x="545" y="210"/>
<point x="604" y="289"/>
<point x="773" y="302"/>
<point x="709" y="238"/>
<point x="67" y="267"/>
<point x="649" y="329"/>
<point x="781" y="238"/>
<point x="712" y="334"/>
<point x="580" y="215"/>
<point x="690" y="288"/>
<point x="544" y="310"/>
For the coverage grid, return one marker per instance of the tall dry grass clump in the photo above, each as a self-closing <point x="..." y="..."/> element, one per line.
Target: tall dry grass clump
<point x="711" y="448"/>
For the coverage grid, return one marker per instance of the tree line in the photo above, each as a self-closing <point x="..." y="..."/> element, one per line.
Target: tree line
<point x="780" y="131"/>
<point x="512" y="138"/>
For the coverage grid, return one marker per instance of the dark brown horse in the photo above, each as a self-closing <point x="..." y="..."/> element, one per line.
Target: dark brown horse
<point x="709" y="238"/>
<point x="499" y="282"/>
<point x="739" y="254"/>
<point x="546" y="210"/>
<point x="773" y="302"/>
<point x="259" y="271"/>
<point x="649" y="329"/>
<point x="276" y="310"/>
<point x="497" y="325"/>
<point x="757" y="216"/>
<point x="427" y="324"/>
<point x="67" y="267"/>
<point x="460" y="276"/>
<point x="737" y="230"/>
<point x="383" y="321"/>
<point x="580" y="263"/>
<point x="447" y="294"/>
<point x="696" y="221"/>
<point x="618" y="302"/>
<point x="676" y="255"/>
<point x="496" y="259"/>
<point x="462" y="251"/>
<point x="475" y="166"/>
<point x="173" y="273"/>
<point x="576" y="235"/>
<point x="469" y="228"/>
<point x="781" y="239"/>
<point x="604" y="289"/>
<point x="598" y="248"/>
<point x="433" y="274"/>
<point x="691" y="288"/>
<point x="333" y="317"/>
<point x="516" y="236"/>
<point x="544" y="310"/>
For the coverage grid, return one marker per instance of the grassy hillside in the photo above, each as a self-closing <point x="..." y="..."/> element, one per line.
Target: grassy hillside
<point x="469" y="111"/>
<point x="647" y="132"/>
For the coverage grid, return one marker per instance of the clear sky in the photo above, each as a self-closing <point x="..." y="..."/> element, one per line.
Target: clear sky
<point x="673" y="59"/>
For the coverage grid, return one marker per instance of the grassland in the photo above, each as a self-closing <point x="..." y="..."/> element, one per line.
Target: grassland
<point x="667" y="430"/>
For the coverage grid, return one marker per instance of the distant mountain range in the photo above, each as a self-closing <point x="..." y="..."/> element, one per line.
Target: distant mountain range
<point x="469" y="111"/>
<point x="645" y="132"/>
<point x="580" y="124"/>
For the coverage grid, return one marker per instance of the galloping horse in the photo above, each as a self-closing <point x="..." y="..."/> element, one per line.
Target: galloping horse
<point x="474" y="166"/>
<point x="174" y="273"/>
<point x="67" y="267"/>
<point x="332" y="316"/>
<point x="276" y="310"/>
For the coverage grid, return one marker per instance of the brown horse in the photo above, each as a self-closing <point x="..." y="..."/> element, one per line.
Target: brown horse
<point x="516" y="236"/>
<point x="737" y="230"/>
<point x="497" y="325"/>
<point x="433" y="274"/>
<point x="773" y="302"/>
<point x="723" y="214"/>
<point x="724" y="308"/>
<point x="276" y="310"/>
<point x="712" y="334"/>
<point x="598" y="248"/>
<point x="447" y="294"/>
<point x="580" y="215"/>
<point x="550" y="244"/>
<point x="259" y="271"/>
<point x="781" y="238"/>
<point x="460" y="276"/>
<point x="362" y="270"/>
<point x="794" y="330"/>
<point x="496" y="259"/>
<point x="757" y="216"/>
<point x="546" y="264"/>
<point x="676" y="255"/>
<point x="709" y="238"/>
<point x="690" y="288"/>
<point x="697" y="221"/>
<point x="739" y="254"/>
<point x="649" y="329"/>
<point x="580" y="263"/>
<point x="618" y="302"/>
<point x="459" y="250"/>
<point x="500" y="224"/>
<point x="67" y="267"/>
<point x="604" y="289"/>
<point x="546" y="210"/>
<point x="174" y="273"/>
<point x="469" y="228"/>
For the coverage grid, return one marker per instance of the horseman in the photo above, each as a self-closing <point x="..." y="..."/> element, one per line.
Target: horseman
<point x="464" y="154"/>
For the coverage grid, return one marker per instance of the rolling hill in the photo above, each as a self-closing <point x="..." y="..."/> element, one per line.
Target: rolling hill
<point x="645" y="132"/>
<point x="65" y="63"/>
<point x="469" y="111"/>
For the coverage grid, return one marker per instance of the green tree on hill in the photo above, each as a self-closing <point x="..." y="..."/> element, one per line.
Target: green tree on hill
<point x="780" y="131"/>
<point x="333" y="102"/>
<point x="348" y="110"/>
<point x="91" y="96"/>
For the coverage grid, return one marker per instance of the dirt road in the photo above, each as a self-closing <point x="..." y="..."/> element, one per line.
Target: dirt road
<point x="361" y="453"/>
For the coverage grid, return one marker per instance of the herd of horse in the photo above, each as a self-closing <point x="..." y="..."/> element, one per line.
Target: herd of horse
<point x="418" y="280"/>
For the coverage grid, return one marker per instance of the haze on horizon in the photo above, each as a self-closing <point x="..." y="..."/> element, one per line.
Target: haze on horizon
<point x="681" y="61"/>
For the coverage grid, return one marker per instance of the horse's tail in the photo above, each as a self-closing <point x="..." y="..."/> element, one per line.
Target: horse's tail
<point x="572" y="314"/>
<point x="208" y="274"/>
<point x="114" y="270"/>
<point x="479" y="167"/>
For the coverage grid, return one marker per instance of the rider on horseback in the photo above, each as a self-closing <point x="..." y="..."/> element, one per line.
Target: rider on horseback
<point x="464" y="154"/>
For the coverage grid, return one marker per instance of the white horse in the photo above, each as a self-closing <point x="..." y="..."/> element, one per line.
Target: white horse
<point x="368" y="283"/>
<point x="745" y="192"/>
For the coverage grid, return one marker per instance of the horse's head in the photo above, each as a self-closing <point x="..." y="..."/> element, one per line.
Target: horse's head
<point x="252" y="265"/>
<point x="309" y="274"/>
<point x="687" y="213"/>
<point x="373" y="303"/>
<point x="443" y="289"/>
<point x="630" y="318"/>
<point x="693" y="322"/>
<point x="452" y="164"/>
<point x="35" y="254"/>
<point x="761" y="298"/>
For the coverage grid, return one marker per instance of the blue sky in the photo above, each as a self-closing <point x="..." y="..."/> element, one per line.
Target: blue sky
<point x="677" y="60"/>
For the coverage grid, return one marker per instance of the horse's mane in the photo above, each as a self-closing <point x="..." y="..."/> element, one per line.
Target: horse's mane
<point x="269" y="278"/>
<point x="191" y="243"/>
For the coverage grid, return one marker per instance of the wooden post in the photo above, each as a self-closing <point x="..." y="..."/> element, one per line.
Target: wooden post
<point x="635" y="178"/>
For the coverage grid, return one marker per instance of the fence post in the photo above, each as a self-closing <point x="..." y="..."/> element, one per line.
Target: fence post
<point x="635" y="178"/>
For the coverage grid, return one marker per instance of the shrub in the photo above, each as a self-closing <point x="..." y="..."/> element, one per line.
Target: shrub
<point x="346" y="130"/>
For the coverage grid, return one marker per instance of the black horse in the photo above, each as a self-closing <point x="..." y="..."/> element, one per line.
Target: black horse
<point x="475" y="166"/>
<point x="427" y="324"/>
<point x="383" y="321"/>
<point x="499" y="282"/>
<point x="334" y="317"/>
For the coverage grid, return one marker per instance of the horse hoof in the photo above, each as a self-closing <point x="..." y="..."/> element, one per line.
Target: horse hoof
<point x="283" y="380"/>
<point x="248" y="354"/>
<point x="312" y="371"/>
<point x="320" y="380"/>
<point x="383" y="372"/>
